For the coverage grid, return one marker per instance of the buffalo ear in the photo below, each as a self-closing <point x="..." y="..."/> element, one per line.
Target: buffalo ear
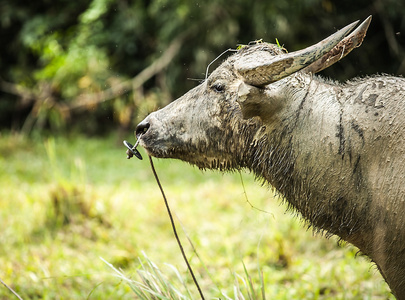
<point x="249" y="99"/>
<point x="254" y="102"/>
<point x="261" y="68"/>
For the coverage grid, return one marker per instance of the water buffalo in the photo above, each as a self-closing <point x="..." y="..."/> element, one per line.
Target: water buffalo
<point x="336" y="152"/>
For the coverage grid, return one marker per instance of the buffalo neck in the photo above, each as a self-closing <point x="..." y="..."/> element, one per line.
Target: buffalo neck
<point x="304" y="158"/>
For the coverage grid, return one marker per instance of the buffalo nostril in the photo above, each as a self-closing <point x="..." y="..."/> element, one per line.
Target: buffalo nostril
<point x="141" y="128"/>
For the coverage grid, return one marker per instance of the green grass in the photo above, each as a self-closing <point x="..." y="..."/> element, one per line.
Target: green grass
<point x="68" y="202"/>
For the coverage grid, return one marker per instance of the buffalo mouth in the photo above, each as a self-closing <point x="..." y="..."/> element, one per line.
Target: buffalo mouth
<point x="149" y="140"/>
<point x="162" y="142"/>
<point x="172" y="148"/>
<point x="153" y="147"/>
<point x="159" y="145"/>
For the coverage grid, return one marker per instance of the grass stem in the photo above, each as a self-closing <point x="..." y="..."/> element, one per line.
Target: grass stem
<point x="11" y="290"/>
<point x="174" y="229"/>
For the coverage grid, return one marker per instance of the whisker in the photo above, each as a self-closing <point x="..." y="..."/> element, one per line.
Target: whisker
<point x="227" y="50"/>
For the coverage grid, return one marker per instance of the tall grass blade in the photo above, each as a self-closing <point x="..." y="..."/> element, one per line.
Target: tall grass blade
<point x="10" y="289"/>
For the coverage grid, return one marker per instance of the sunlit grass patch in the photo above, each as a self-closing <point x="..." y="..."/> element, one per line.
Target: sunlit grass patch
<point x="151" y="282"/>
<point x="66" y="201"/>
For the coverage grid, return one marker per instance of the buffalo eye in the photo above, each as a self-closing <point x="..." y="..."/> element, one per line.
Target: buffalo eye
<point x="218" y="87"/>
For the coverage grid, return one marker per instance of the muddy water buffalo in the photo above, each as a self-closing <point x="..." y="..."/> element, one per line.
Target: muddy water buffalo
<point x="336" y="152"/>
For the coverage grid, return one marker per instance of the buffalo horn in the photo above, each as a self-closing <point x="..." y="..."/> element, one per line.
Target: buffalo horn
<point x="343" y="48"/>
<point x="262" y="68"/>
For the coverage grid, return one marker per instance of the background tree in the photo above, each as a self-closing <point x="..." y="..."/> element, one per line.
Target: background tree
<point x="96" y="63"/>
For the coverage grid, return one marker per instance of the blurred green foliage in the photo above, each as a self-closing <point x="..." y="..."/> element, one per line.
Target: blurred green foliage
<point x="58" y="58"/>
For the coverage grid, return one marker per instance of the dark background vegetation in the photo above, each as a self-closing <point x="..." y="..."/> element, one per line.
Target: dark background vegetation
<point x="94" y="65"/>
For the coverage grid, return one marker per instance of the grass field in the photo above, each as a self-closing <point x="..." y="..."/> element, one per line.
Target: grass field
<point x="68" y="202"/>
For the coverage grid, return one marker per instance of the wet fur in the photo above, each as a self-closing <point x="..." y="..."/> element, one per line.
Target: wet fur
<point x="335" y="185"/>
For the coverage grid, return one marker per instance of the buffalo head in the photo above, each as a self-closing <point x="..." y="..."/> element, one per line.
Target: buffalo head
<point x="219" y="123"/>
